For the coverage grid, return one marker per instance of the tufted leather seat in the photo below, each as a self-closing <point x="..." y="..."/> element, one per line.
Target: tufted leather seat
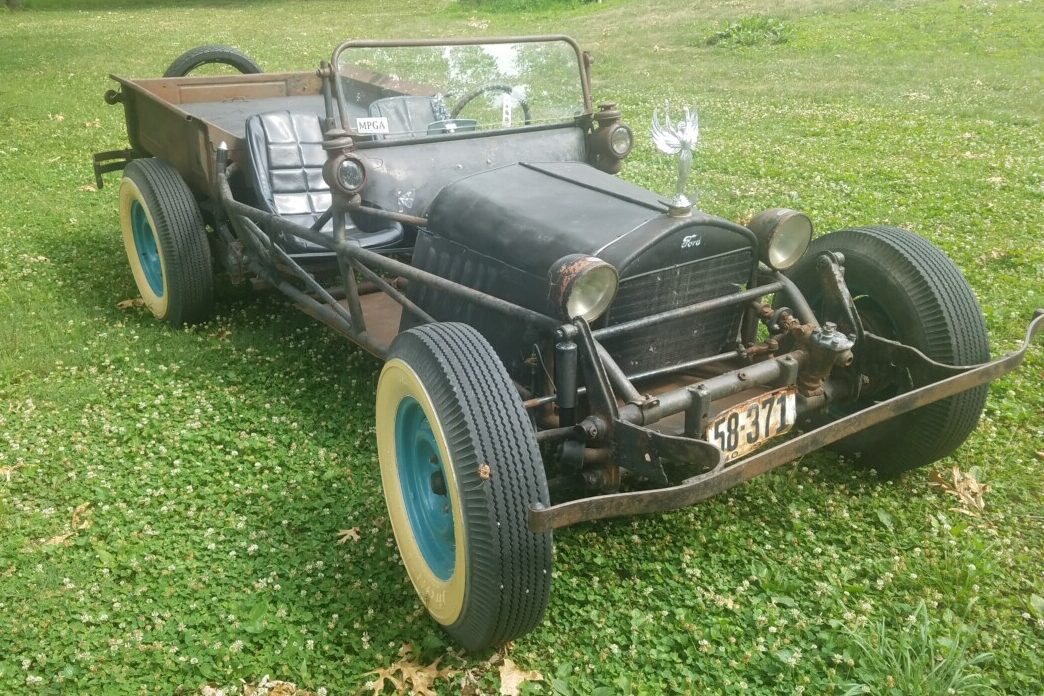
<point x="409" y="116"/>
<point x="287" y="157"/>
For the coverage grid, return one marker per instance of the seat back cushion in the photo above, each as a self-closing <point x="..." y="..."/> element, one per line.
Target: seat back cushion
<point x="409" y="116"/>
<point x="287" y="157"/>
<point x="286" y="151"/>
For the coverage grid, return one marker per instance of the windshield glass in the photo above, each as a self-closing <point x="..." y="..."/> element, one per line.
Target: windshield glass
<point x="402" y="92"/>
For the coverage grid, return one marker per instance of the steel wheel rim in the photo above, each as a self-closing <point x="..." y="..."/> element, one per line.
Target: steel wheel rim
<point x="146" y="248"/>
<point x="419" y="466"/>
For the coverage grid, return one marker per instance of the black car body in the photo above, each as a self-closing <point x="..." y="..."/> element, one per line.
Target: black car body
<point x="560" y="345"/>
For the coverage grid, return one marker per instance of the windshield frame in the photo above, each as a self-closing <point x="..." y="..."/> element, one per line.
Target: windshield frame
<point x="342" y="108"/>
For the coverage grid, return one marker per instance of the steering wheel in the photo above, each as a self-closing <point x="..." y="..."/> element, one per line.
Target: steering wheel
<point x="472" y="95"/>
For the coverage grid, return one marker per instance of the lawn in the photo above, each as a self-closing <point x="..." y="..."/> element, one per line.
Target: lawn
<point x="171" y="502"/>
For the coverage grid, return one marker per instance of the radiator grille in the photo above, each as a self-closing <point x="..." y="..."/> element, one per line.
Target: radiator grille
<point x="683" y="339"/>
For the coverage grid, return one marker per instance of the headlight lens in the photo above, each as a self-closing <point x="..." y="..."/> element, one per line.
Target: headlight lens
<point x="350" y="175"/>
<point x="592" y="293"/>
<point x="582" y="286"/>
<point x="783" y="236"/>
<point x="621" y="140"/>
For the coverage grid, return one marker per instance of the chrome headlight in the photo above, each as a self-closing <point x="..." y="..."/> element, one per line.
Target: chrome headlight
<point x="621" y="140"/>
<point x="783" y="236"/>
<point x="581" y="286"/>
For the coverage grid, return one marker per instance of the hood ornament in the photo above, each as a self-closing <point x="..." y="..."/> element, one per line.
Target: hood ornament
<point x="677" y="139"/>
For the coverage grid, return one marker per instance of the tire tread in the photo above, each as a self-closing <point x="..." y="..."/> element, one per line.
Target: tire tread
<point x="182" y="239"/>
<point x="951" y="328"/>
<point x="510" y="566"/>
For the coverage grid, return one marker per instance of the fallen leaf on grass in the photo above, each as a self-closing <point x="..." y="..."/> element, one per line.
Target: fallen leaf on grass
<point x="345" y="534"/>
<point x="511" y="677"/>
<point x="81" y="519"/>
<point x="127" y="304"/>
<point x="265" y="687"/>
<point x="88" y="187"/>
<point x="6" y="471"/>
<point x="405" y="674"/>
<point x="965" y="487"/>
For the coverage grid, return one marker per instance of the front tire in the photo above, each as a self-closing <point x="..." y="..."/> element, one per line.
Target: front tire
<point x="460" y="468"/>
<point x="166" y="243"/>
<point x="907" y="290"/>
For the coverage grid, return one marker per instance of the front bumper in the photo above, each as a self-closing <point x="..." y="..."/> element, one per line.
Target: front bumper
<point x="952" y="380"/>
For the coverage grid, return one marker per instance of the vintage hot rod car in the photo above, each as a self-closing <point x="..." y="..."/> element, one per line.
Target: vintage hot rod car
<point x="559" y="345"/>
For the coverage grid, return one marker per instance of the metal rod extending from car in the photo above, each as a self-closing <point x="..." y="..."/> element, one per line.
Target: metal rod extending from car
<point x="394" y="293"/>
<point x="384" y="263"/>
<point x="648" y="374"/>
<point x="306" y="277"/>
<point x="625" y="391"/>
<point x="326" y="315"/>
<point x="373" y="259"/>
<point x="686" y="311"/>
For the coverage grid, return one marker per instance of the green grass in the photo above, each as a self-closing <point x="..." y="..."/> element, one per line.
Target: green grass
<point x="219" y="463"/>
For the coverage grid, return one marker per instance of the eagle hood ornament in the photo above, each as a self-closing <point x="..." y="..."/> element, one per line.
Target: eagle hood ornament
<point x="678" y="139"/>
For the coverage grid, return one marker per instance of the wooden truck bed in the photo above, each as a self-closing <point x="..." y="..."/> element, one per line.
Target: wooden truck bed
<point x="183" y="120"/>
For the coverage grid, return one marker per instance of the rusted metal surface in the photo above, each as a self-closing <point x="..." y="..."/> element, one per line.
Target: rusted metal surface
<point x="382" y="316"/>
<point x="772" y="372"/>
<point x="837" y="300"/>
<point x="111" y="161"/>
<point x="189" y="89"/>
<point x="722" y="478"/>
<point x="827" y="347"/>
<point x="562" y="277"/>
<point x="414" y="220"/>
<point x="659" y="457"/>
<point x="159" y="123"/>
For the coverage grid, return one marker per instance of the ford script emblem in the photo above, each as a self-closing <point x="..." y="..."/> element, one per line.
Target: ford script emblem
<point x="691" y="240"/>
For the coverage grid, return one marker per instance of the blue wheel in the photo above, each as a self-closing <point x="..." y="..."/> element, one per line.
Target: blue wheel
<point x="166" y="243"/>
<point x="460" y="468"/>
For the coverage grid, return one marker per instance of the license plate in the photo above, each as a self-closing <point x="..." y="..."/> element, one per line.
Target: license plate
<point x="746" y="426"/>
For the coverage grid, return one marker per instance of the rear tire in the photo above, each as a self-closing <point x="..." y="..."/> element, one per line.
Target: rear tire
<point x="460" y="468"/>
<point x="166" y="243"/>
<point x="210" y="54"/>
<point x="906" y="289"/>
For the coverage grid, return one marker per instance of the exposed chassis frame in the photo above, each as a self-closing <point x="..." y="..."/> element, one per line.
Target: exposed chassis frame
<point x="618" y="411"/>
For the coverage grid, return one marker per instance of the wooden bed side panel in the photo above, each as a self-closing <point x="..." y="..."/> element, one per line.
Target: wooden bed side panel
<point x="189" y="90"/>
